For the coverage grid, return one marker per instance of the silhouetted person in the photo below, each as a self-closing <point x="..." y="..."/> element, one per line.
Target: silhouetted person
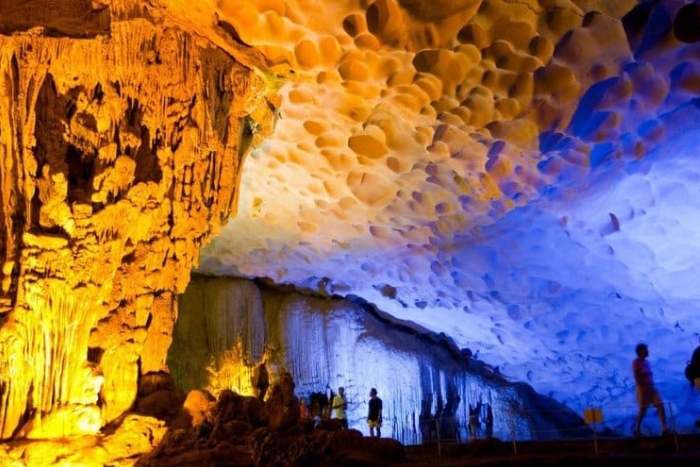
<point x="263" y="381"/>
<point x="474" y="422"/>
<point x="317" y="407"/>
<point x="695" y="368"/>
<point x="647" y="394"/>
<point x="374" y="414"/>
<point x="489" y="421"/>
<point x="339" y="405"/>
<point x="426" y="422"/>
<point x="448" y="423"/>
<point x="304" y="412"/>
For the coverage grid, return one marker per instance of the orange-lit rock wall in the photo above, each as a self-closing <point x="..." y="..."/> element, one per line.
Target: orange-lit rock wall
<point x="121" y="140"/>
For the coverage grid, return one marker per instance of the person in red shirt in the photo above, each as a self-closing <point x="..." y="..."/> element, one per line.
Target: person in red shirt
<point x="647" y="394"/>
<point x="304" y="413"/>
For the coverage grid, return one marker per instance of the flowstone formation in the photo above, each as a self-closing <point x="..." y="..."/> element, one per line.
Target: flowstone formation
<point x="228" y="328"/>
<point x="122" y="134"/>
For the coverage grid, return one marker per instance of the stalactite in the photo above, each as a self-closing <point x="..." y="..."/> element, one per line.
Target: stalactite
<point x="100" y="221"/>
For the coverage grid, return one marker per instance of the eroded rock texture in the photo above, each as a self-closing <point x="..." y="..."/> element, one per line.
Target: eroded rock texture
<point x="121" y="139"/>
<point x="519" y="174"/>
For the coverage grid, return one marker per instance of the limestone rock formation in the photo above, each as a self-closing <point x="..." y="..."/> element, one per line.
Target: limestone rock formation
<point x="122" y="134"/>
<point x="461" y="164"/>
<point x="232" y="434"/>
<point x="227" y="326"/>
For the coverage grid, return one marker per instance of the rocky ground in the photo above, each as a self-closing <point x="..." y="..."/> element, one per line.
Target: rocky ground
<point x="168" y="428"/>
<point x="236" y="431"/>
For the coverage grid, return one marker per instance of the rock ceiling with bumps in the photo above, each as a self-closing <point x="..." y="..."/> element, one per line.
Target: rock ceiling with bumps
<point x="520" y="175"/>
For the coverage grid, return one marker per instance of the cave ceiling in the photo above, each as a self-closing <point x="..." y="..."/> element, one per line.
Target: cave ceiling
<point x="520" y="175"/>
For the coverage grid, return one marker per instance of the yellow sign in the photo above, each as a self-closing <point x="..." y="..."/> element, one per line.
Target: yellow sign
<point x="593" y="415"/>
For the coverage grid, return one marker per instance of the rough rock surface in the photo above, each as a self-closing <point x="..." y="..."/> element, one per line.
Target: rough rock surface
<point x="518" y="174"/>
<point x="230" y="436"/>
<point x="122" y="134"/>
<point x="408" y="129"/>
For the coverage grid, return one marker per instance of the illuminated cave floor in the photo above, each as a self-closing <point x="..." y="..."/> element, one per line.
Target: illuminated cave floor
<point x="619" y="452"/>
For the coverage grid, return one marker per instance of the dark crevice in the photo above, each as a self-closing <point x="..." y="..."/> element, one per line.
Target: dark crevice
<point x="12" y="212"/>
<point x="94" y="354"/>
<point x="686" y="24"/>
<point x="98" y="93"/>
<point x="231" y="31"/>
<point x="81" y="168"/>
<point x="146" y="157"/>
<point x="58" y="18"/>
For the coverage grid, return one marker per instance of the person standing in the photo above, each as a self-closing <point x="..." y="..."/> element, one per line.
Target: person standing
<point x="695" y="365"/>
<point x="262" y="382"/>
<point x="374" y="414"/>
<point x="339" y="405"/>
<point x="304" y="413"/>
<point x="489" y="421"/>
<point x="474" y="419"/>
<point x="647" y="394"/>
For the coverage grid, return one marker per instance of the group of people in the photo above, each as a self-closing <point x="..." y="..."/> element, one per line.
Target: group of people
<point x="339" y="405"/>
<point x="646" y="391"/>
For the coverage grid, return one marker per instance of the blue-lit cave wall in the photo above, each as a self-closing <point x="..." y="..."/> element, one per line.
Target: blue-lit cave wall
<point x="227" y="327"/>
